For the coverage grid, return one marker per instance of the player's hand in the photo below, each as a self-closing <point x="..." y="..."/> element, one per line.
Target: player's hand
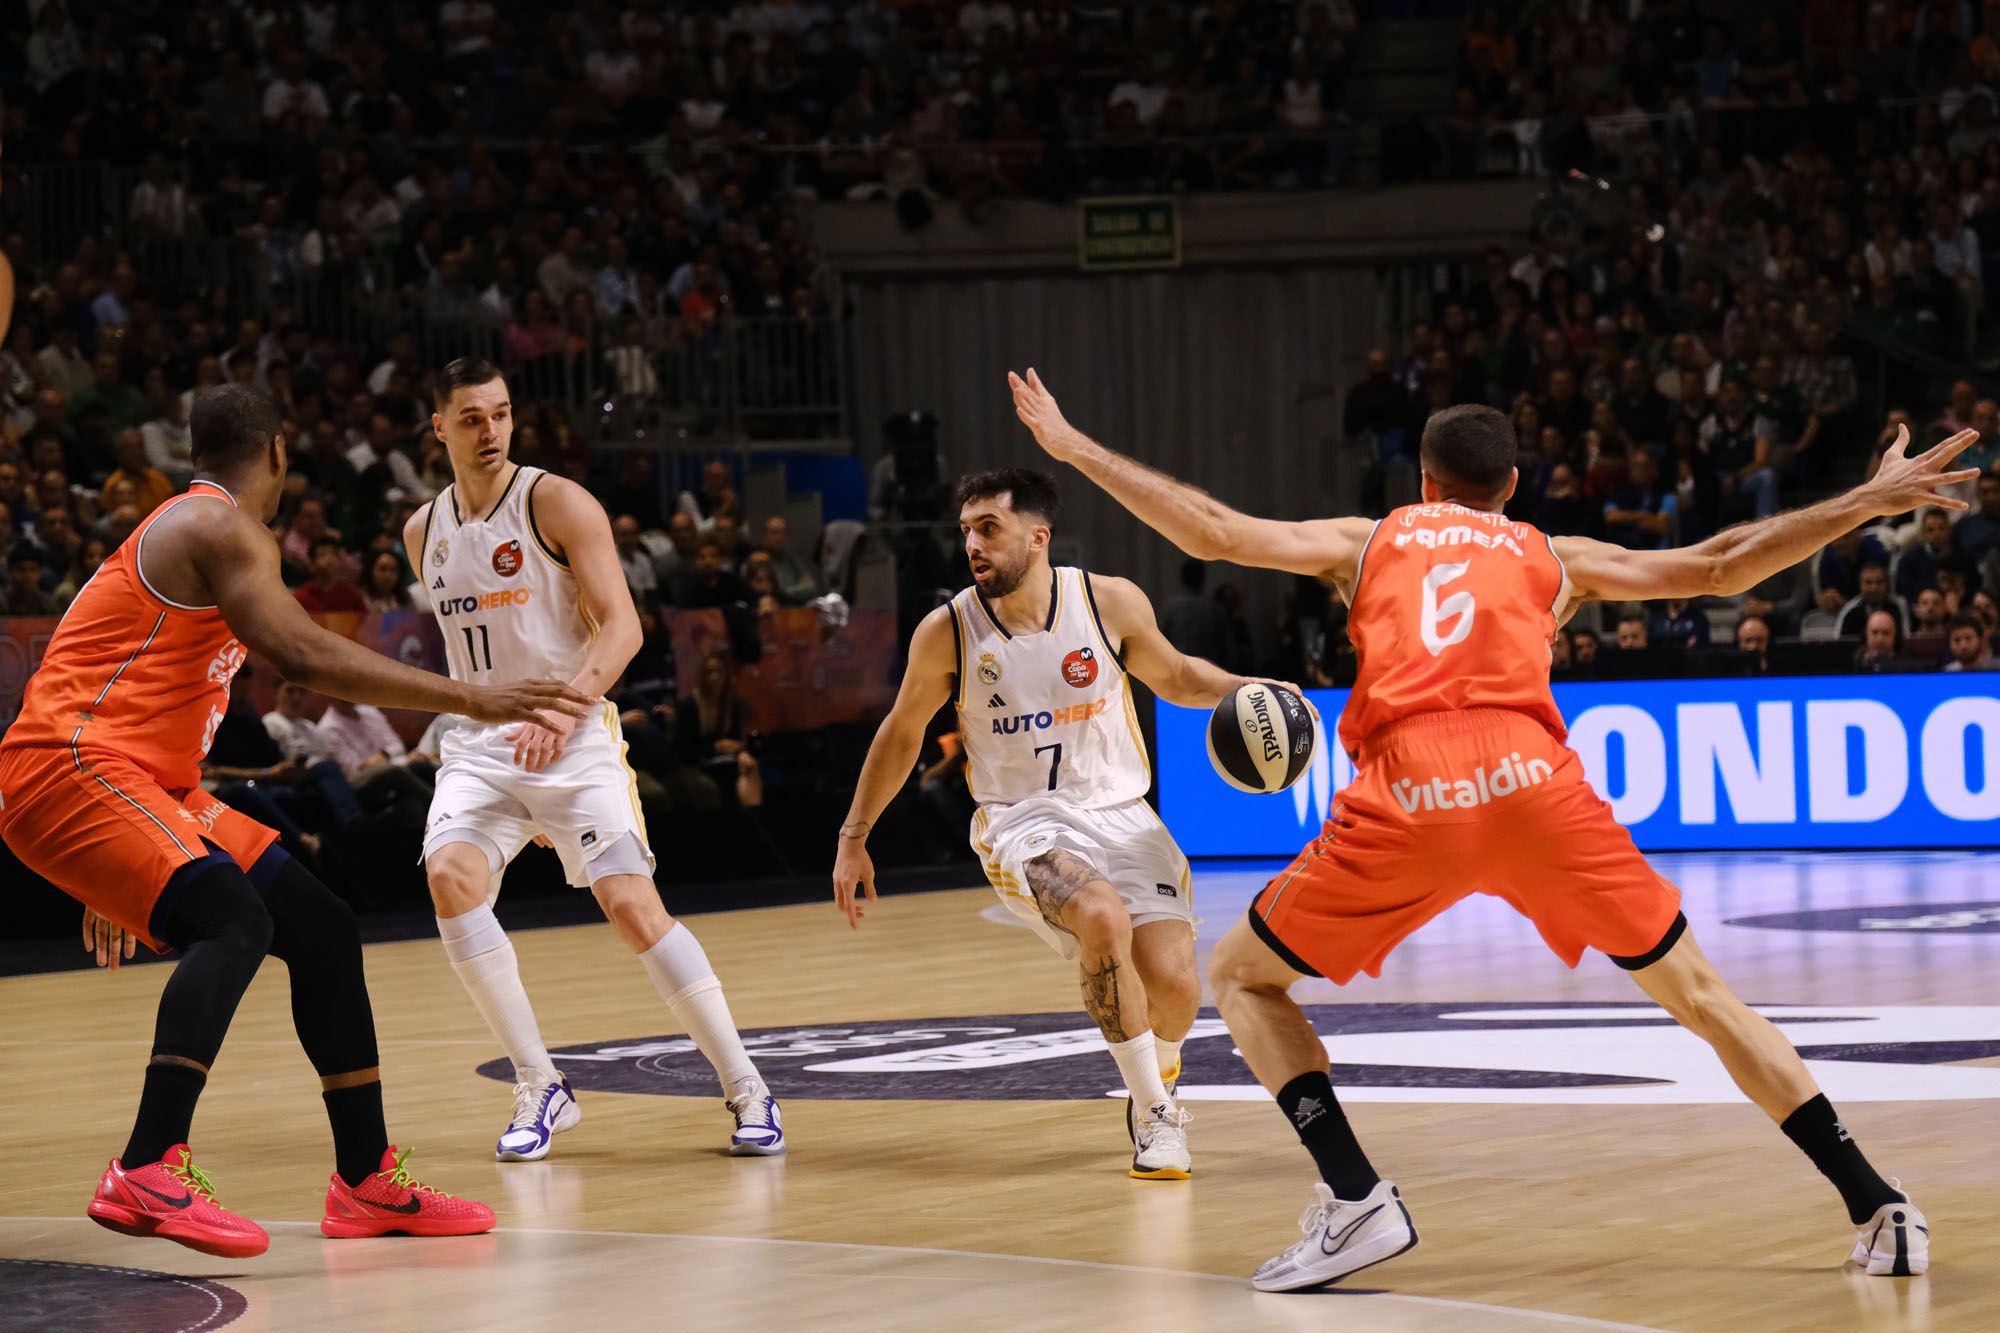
<point x="853" y="876"/>
<point x="110" y="941"/>
<point x="1036" y="407"/>
<point x="539" y="744"/>
<point x="1304" y="698"/>
<point x="528" y="701"/>
<point x="1903" y="483"/>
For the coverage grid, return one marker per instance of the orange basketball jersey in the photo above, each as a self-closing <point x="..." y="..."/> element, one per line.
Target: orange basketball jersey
<point x="132" y="673"/>
<point x="1453" y="608"/>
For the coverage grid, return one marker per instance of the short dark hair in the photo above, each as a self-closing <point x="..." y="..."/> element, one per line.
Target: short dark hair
<point x="24" y="553"/>
<point x="313" y="549"/>
<point x="1471" y="444"/>
<point x="1027" y="491"/>
<point x="465" y="373"/>
<point x="1965" y="620"/>
<point x="230" y="425"/>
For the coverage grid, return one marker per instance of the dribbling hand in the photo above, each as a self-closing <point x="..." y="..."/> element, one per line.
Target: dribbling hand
<point x="1903" y="483"/>
<point x="110" y="941"/>
<point x="853" y="876"/>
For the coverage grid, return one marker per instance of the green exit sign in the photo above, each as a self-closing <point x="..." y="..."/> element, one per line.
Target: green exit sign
<point x="1129" y="233"/>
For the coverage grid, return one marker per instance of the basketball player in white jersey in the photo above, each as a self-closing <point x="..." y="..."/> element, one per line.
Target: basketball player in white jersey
<point x="1036" y="660"/>
<point x="524" y="578"/>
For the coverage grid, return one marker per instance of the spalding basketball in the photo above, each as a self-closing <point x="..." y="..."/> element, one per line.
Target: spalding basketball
<point x="1261" y="738"/>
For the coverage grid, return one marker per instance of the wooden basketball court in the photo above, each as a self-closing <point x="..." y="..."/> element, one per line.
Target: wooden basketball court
<point x="956" y="1159"/>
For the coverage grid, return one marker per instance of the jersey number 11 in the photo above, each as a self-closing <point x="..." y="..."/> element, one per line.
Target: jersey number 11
<point x="474" y="652"/>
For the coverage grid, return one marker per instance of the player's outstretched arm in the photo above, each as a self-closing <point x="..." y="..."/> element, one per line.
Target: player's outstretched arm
<point x="1739" y="558"/>
<point x="239" y="561"/>
<point x="927" y="687"/>
<point x="575" y="525"/>
<point x="1192" y="682"/>
<point x="1187" y="516"/>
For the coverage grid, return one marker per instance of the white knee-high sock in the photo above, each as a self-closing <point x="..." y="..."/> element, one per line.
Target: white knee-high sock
<point x="1140" y="1065"/>
<point x="1169" y="1053"/>
<point x="483" y="957"/>
<point x="681" y="973"/>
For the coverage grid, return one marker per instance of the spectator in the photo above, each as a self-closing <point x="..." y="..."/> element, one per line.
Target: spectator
<point x="308" y="525"/>
<point x="633" y="558"/>
<point x="562" y="273"/>
<point x="797" y="583"/>
<point x="1640" y="514"/>
<point x="1195" y="624"/>
<point x="61" y="365"/>
<point x="1882" y="644"/>
<point x="1675" y="625"/>
<point x="168" y="443"/>
<point x="1753" y="636"/>
<point x="1583" y="648"/>
<point x="1970" y="650"/>
<point x="89" y="557"/>
<point x="150" y="487"/>
<point x="1979" y="531"/>
<point x="1738" y="442"/>
<point x="1632" y="630"/>
<point x="1919" y="566"/>
<point x="675" y="564"/>
<point x="1563" y="511"/>
<point x="61" y="544"/>
<point x="1928" y="614"/>
<point x="329" y="590"/>
<point x="371" y="755"/>
<point x="713" y="732"/>
<point x="124" y="406"/>
<point x="25" y="594"/>
<point x="1873" y="596"/>
<point x="305" y="747"/>
<point x="716" y="496"/>
<point x="387" y="589"/>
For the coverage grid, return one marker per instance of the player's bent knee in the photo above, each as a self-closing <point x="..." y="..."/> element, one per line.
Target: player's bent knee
<point x="1241" y="961"/>
<point x="632" y="905"/>
<point x="1100" y="923"/>
<point x="459" y="877"/>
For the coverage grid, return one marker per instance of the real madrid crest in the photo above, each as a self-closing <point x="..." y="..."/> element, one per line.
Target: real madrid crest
<point x="989" y="669"/>
<point x="439" y="552"/>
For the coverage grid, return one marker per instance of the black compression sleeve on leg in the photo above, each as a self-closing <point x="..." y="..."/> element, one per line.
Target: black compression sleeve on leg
<point x="214" y="917"/>
<point x="1633" y="962"/>
<point x="317" y="936"/>
<point x="1308" y="1102"/>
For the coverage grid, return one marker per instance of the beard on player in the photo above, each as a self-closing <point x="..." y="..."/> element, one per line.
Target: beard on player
<point x="998" y="575"/>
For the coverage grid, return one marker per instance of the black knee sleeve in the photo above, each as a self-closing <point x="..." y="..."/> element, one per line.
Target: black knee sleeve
<point x="320" y="941"/>
<point x="216" y="919"/>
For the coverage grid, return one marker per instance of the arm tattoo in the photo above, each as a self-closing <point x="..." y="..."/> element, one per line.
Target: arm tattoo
<point x="1100" y="999"/>
<point x="1054" y="878"/>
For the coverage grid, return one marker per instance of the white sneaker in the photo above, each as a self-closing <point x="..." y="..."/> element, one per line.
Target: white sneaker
<point x="1340" y="1238"/>
<point x="1159" y="1144"/>
<point x="541" y="1111"/>
<point x="1896" y="1242"/>
<point x="759" y="1131"/>
<point x="1171" y="1079"/>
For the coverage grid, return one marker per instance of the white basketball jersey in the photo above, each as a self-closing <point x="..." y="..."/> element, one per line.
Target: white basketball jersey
<point x="1047" y="714"/>
<point x="510" y="610"/>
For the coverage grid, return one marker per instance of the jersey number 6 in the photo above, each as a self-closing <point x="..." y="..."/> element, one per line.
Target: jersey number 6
<point x="1459" y="604"/>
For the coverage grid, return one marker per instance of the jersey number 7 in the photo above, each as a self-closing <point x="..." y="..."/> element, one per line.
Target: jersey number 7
<point x="1055" y="761"/>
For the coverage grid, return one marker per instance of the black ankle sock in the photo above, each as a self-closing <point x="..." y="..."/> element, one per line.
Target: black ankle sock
<point x="1820" y="1136"/>
<point x="166" y="1109"/>
<point x="359" y="1136"/>
<point x="1308" y="1102"/>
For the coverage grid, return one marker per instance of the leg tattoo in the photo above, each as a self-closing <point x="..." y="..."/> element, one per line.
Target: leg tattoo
<point x="1056" y="877"/>
<point x="1100" y="998"/>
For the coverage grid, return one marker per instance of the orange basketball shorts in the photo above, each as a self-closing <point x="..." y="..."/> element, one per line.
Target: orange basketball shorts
<point x="102" y="830"/>
<point x="1451" y="804"/>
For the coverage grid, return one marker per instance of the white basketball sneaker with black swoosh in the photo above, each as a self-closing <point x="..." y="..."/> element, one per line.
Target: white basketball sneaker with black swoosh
<point x="1339" y="1238"/>
<point x="1896" y="1242"/>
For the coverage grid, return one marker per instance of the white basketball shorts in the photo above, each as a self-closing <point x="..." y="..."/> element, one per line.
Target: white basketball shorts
<point x="1127" y="844"/>
<point x="586" y="802"/>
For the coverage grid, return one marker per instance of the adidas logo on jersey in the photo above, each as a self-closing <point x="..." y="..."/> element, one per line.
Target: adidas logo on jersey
<point x="1482" y="788"/>
<point x="996" y="702"/>
<point x="437" y="585"/>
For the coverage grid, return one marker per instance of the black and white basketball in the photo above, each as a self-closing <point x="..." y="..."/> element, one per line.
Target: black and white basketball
<point x="1261" y="738"/>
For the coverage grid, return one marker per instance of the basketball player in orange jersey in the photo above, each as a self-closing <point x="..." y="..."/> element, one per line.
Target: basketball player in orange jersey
<point x="100" y="793"/>
<point x="1453" y="609"/>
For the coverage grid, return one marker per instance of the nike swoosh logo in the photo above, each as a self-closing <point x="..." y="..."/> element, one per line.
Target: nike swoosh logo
<point x="183" y="1201"/>
<point x="415" y="1205"/>
<point x="1347" y="1232"/>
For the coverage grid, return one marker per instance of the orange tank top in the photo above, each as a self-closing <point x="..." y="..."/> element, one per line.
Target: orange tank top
<point x="1453" y="608"/>
<point x="132" y="673"/>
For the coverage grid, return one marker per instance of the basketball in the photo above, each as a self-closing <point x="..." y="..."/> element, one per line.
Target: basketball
<point x="1261" y="738"/>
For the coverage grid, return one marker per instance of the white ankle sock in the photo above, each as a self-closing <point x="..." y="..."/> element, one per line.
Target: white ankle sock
<point x="1169" y="1053"/>
<point x="483" y="957"/>
<point x="681" y="973"/>
<point x="1140" y="1066"/>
